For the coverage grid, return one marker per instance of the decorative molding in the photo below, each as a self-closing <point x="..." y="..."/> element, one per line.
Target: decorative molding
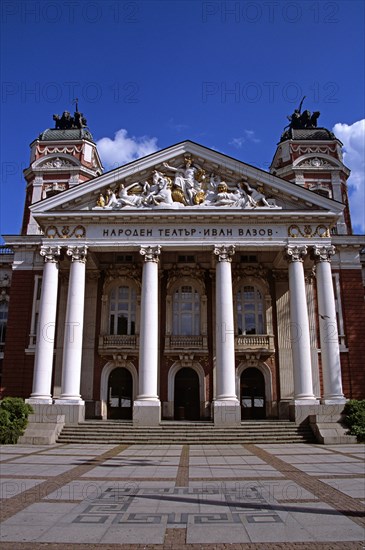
<point x="280" y="275"/>
<point x="307" y="231"/>
<point x="132" y="272"/>
<point x="49" y="253"/>
<point x="316" y="162"/>
<point x="295" y="253"/>
<point x="309" y="276"/>
<point x="304" y="149"/>
<point x="57" y="149"/>
<point x="65" y="233"/>
<point x="177" y="273"/>
<point x="241" y="272"/>
<point x="77" y="253"/>
<point x="322" y="253"/>
<point x="56" y="163"/>
<point x="150" y="253"/>
<point x="224" y="253"/>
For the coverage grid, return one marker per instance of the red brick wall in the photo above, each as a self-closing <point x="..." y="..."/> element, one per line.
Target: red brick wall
<point x="353" y="307"/>
<point x="18" y="367"/>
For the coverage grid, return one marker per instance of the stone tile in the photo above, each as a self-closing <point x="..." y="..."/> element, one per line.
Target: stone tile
<point x="297" y="449"/>
<point x="354" y="487"/>
<point x="11" y="487"/>
<point x="19" y="449"/>
<point x="22" y="533"/>
<point x="313" y="459"/>
<point x="7" y="456"/>
<point x="74" y="534"/>
<point x="51" y="459"/>
<point x="41" y="514"/>
<point x="150" y="534"/>
<point x="216" y="534"/>
<point x="34" y="469"/>
<point x="288" y="531"/>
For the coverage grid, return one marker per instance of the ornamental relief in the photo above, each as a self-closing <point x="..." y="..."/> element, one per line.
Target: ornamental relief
<point x="57" y="163"/>
<point x="133" y="272"/>
<point x="177" y="273"/>
<point x="308" y="231"/>
<point x="259" y="271"/>
<point x="324" y="149"/>
<point x="187" y="185"/>
<point x="58" y="149"/>
<point x="315" y="162"/>
<point x="66" y="232"/>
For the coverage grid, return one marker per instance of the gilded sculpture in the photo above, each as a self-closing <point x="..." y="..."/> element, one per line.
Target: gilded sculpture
<point x="188" y="187"/>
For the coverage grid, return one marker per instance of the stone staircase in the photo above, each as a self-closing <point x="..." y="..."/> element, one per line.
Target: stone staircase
<point x="185" y="433"/>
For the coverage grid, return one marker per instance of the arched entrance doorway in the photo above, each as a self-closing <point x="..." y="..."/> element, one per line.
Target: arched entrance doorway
<point x="186" y="395"/>
<point x="252" y="392"/>
<point x="120" y="394"/>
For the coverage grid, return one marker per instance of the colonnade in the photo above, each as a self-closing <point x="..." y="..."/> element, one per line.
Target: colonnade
<point x="226" y="409"/>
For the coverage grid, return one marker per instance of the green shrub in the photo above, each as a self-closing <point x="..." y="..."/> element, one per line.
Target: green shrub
<point x="13" y="419"/>
<point x="355" y="418"/>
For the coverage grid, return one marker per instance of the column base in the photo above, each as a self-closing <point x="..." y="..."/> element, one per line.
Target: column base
<point x="146" y="413"/>
<point x="333" y="400"/>
<point x="39" y="400"/>
<point x="305" y="401"/>
<point x="226" y="413"/>
<point x="76" y="401"/>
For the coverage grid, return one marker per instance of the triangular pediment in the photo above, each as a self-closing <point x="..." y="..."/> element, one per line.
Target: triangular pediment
<point x="185" y="177"/>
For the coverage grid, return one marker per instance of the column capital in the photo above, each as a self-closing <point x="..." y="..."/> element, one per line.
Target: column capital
<point x="224" y="253"/>
<point x="77" y="253"/>
<point x="50" y="253"/>
<point x="295" y="253"/>
<point x="322" y="253"/>
<point x="150" y="253"/>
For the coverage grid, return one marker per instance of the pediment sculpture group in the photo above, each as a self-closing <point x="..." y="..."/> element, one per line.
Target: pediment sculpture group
<point x="186" y="186"/>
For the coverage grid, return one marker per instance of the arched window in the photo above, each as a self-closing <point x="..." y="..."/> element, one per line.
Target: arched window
<point x="122" y="314"/>
<point x="250" y="310"/>
<point x="186" y="311"/>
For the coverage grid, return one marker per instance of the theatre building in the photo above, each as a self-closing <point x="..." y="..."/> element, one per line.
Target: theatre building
<point x="185" y="285"/>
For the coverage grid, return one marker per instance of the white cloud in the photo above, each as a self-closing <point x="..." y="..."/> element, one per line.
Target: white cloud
<point x="123" y="149"/>
<point x="249" y="135"/>
<point x="353" y="139"/>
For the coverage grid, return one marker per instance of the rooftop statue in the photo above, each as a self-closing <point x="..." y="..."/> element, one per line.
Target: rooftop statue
<point x="67" y="122"/>
<point x="300" y="120"/>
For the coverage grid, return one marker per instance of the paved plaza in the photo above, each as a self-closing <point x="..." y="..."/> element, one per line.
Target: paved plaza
<point x="182" y="496"/>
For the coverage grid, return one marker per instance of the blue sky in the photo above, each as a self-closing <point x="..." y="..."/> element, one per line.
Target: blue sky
<point x="149" y="74"/>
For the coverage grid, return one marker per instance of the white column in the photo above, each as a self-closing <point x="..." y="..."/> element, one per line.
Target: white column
<point x="330" y="350"/>
<point x="225" y="406"/>
<point x="300" y="338"/>
<point x="147" y="407"/>
<point x="43" y="363"/>
<point x="74" y="324"/>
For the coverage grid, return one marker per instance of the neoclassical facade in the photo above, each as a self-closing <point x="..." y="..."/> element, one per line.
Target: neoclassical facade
<point x="186" y="285"/>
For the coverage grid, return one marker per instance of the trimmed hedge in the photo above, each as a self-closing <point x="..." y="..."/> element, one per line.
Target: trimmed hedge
<point x="355" y="418"/>
<point x="13" y="419"/>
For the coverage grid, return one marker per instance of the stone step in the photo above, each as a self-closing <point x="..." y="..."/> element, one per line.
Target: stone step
<point x="117" y="432"/>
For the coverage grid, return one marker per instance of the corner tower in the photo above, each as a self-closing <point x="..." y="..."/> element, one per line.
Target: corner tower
<point x="311" y="157"/>
<point x="61" y="157"/>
